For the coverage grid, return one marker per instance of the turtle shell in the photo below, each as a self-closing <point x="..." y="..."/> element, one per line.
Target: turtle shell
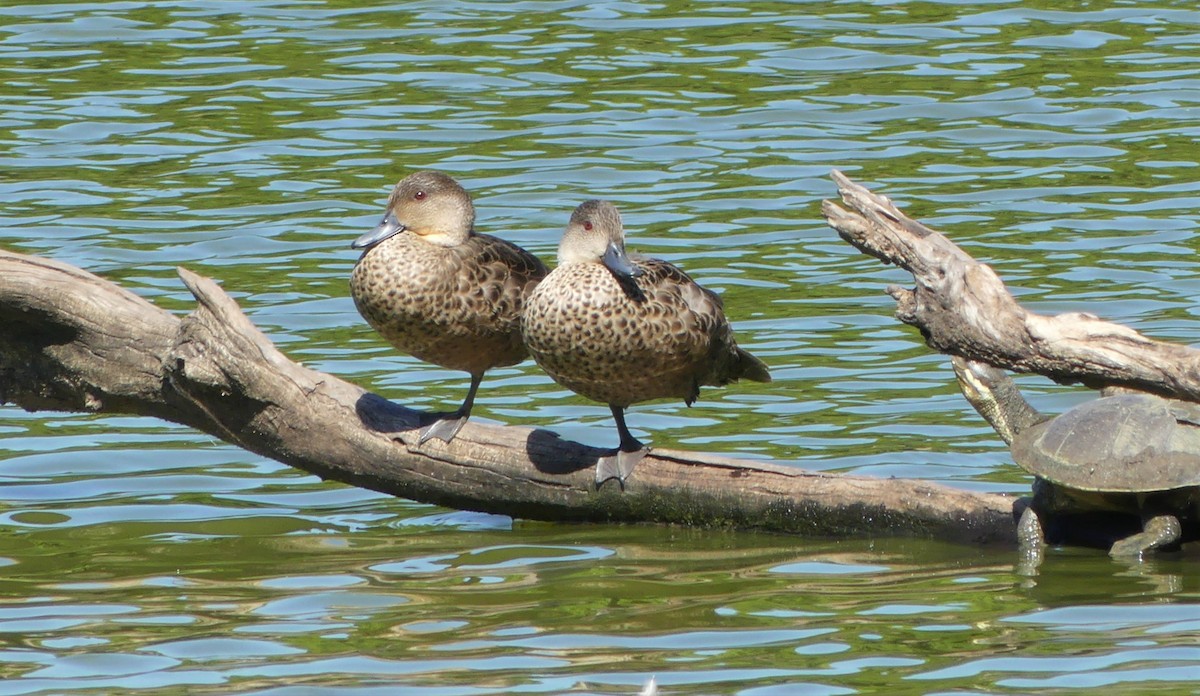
<point x="1131" y="443"/>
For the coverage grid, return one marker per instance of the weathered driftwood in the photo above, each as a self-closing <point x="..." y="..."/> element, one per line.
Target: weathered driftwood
<point x="962" y="308"/>
<point x="72" y="341"/>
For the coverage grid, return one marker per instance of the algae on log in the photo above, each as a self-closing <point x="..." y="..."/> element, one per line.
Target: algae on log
<point x="75" y="342"/>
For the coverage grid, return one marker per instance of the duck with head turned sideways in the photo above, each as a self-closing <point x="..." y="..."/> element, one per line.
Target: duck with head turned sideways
<point x="441" y="292"/>
<point x="621" y="330"/>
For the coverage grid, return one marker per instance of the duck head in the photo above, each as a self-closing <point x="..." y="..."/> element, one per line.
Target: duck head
<point x="431" y="205"/>
<point x="595" y="235"/>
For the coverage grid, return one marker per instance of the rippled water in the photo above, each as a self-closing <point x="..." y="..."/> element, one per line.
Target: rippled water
<point x="252" y="142"/>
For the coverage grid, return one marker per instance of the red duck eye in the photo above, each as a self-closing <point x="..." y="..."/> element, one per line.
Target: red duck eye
<point x="588" y="225"/>
<point x="419" y="195"/>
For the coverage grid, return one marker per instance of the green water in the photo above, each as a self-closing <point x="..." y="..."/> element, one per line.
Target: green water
<point x="252" y="142"/>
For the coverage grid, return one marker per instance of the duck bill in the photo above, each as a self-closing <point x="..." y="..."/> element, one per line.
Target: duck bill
<point x="617" y="261"/>
<point x="388" y="227"/>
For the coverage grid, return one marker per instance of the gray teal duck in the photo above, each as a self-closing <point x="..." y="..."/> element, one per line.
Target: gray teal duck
<point x="622" y="330"/>
<point x="441" y="292"/>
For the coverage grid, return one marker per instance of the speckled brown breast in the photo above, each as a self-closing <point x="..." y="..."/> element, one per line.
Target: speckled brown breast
<point x="458" y="307"/>
<point x="591" y="337"/>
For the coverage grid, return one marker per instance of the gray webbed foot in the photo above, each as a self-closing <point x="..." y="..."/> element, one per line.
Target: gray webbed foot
<point x="446" y="425"/>
<point x="618" y="465"/>
<point x="444" y="428"/>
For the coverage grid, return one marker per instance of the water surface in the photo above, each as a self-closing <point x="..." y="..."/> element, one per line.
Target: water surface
<point x="252" y="142"/>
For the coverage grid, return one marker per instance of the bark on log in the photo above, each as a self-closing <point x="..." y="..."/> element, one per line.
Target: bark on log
<point x="75" y="342"/>
<point x="962" y="308"/>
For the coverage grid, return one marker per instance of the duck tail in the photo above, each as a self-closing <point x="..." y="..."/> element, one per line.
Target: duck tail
<point x="750" y="367"/>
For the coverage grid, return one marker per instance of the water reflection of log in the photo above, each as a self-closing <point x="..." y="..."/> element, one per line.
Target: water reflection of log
<point x="71" y="341"/>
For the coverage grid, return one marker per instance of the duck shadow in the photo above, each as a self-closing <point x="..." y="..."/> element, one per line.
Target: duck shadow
<point x="546" y="450"/>
<point x="383" y="416"/>
<point x="550" y="454"/>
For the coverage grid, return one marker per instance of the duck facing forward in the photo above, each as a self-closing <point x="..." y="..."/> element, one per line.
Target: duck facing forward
<point x="622" y="330"/>
<point x="441" y="292"/>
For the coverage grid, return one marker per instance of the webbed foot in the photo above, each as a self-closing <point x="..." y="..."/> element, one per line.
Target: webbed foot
<point x="618" y="465"/>
<point x="446" y="425"/>
<point x="1157" y="531"/>
<point x="444" y="428"/>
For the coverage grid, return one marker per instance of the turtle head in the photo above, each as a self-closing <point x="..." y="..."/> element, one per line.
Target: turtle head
<point x="995" y="395"/>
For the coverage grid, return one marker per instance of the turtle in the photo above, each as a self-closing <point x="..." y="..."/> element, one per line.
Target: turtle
<point x="1128" y="453"/>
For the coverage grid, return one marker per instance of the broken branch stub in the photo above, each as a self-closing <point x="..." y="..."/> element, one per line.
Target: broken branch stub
<point x="962" y="308"/>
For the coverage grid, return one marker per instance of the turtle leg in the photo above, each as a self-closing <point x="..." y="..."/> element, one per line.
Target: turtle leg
<point x="1031" y="541"/>
<point x="447" y="425"/>
<point x="1157" y="531"/>
<point x="619" y="465"/>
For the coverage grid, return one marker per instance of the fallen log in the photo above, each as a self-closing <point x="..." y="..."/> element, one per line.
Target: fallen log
<point x="71" y="341"/>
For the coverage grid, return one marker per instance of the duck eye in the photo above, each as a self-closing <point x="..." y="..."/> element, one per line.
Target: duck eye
<point x="419" y="195"/>
<point x="588" y="225"/>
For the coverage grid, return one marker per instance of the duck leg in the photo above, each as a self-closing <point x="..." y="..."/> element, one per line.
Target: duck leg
<point x="447" y="425"/>
<point x="619" y="465"/>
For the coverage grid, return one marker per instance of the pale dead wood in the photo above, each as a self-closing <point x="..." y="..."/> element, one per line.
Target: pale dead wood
<point x="962" y="308"/>
<point x="72" y="341"/>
